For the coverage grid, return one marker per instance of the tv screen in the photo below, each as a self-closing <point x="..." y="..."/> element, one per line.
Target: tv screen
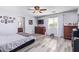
<point x="40" y="21"/>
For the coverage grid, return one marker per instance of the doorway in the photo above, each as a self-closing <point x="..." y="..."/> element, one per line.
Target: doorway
<point x="21" y="24"/>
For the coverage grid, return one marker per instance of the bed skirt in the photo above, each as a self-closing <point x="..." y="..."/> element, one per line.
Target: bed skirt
<point x="22" y="46"/>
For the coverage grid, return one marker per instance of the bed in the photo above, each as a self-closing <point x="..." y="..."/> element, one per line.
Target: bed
<point x="13" y="42"/>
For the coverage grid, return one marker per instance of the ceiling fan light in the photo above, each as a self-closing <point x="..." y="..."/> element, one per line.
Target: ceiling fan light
<point x="37" y="11"/>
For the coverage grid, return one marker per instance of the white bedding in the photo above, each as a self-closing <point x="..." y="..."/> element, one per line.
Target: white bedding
<point x="10" y="42"/>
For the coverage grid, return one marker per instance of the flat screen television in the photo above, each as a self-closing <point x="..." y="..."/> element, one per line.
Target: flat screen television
<point x="40" y="21"/>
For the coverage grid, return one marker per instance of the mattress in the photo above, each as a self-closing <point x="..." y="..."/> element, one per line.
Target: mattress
<point x="10" y="42"/>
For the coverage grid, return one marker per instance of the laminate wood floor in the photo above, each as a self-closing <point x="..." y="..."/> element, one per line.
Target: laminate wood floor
<point x="47" y="44"/>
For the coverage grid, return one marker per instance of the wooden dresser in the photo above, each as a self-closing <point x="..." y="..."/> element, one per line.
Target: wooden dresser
<point x="40" y="30"/>
<point x="68" y="31"/>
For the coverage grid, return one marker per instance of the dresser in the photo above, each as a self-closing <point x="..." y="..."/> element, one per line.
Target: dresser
<point x="68" y="31"/>
<point x="40" y="30"/>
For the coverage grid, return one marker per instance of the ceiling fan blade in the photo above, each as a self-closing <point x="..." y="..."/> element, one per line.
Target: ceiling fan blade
<point x="30" y="9"/>
<point x="43" y="9"/>
<point x="40" y="12"/>
<point x="33" y="11"/>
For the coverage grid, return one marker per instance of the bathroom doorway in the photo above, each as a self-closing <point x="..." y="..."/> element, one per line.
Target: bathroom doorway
<point x="21" y="24"/>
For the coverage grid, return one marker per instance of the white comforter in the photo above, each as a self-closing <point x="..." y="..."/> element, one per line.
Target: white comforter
<point x="10" y="42"/>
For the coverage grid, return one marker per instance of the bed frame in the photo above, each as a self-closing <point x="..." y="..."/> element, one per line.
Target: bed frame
<point x="24" y="45"/>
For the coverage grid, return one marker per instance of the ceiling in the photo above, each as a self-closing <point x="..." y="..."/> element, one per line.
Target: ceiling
<point x="50" y="9"/>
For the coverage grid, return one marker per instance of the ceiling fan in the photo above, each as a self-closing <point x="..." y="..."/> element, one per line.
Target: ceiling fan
<point x="37" y="9"/>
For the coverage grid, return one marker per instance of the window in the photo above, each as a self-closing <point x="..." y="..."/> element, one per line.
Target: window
<point x="53" y="22"/>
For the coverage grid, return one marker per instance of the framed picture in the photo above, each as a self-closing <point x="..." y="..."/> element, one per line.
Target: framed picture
<point x="13" y="18"/>
<point x="0" y="16"/>
<point x="5" y="21"/>
<point x="8" y="21"/>
<point x="30" y="22"/>
<point x="10" y="17"/>
<point x="5" y="17"/>
<point x="12" y="21"/>
<point x="2" y="21"/>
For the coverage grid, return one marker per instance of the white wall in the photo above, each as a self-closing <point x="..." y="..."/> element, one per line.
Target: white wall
<point x="30" y="28"/>
<point x="70" y="17"/>
<point x="60" y="25"/>
<point x="8" y="28"/>
<point x="15" y="12"/>
<point x="65" y="17"/>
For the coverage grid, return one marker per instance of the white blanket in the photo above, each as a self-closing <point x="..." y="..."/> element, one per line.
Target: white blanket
<point x="10" y="42"/>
